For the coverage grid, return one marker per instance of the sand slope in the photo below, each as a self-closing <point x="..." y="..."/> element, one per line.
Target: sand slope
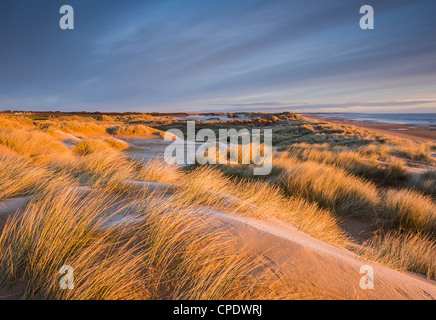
<point x="313" y="269"/>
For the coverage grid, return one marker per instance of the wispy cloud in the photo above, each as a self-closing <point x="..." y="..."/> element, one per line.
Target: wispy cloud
<point x="282" y="106"/>
<point x="199" y="55"/>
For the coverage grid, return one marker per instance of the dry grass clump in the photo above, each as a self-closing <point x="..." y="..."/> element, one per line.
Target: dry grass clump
<point x="132" y="130"/>
<point x="19" y="177"/>
<point x="426" y="183"/>
<point x="246" y="154"/>
<point x="394" y="171"/>
<point x="404" y="251"/>
<point x="251" y="153"/>
<point x="387" y="172"/>
<point x="401" y="148"/>
<point x="332" y="188"/>
<point x="88" y="146"/>
<point x="107" y="167"/>
<point x="259" y="199"/>
<point x="410" y="210"/>
<point x="414" y="151"/>
<point x="55" y="231"/>
<point x="167" y="256"/>
<point x="205" y="186"/>
<point x="106" y="118"/>
<point x="179" y="260"/>
<point x="96" y="163"/>
<point x="375" y="150"/>
<point x="40" y="147"/>
<point x="317" y="222"/>
<point x="82" y="125"/>
<point x="93" y="161"/>
<point x="313" y="132"/>
<point x="116" y="144"/>
<point x="157" y="170"/>
<point x="15" y="122"/>
<point x="323" y="153"/>
<point x="344" y="129"/>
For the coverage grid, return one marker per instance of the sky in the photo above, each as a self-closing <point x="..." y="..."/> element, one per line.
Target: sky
<point x="222" y="55"/>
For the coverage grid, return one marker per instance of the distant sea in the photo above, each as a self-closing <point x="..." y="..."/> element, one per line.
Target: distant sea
<point x="389" y="118"/>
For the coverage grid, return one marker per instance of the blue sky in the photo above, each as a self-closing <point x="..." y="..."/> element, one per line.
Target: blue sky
<point x="170" y="56"/>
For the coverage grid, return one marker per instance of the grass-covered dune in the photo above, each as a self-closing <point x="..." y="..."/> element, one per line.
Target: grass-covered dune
<point x="82" y="202"/>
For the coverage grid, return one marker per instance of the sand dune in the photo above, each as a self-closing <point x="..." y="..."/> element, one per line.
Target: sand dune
<point x="313" y="269"/>
<point x="306" y="267"/>
<point x="302" y="267"/>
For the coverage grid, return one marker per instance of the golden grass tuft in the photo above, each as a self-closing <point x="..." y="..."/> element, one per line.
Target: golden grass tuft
<point x="19" y="177"/>
<point x="259" y="199"/>
<point x="132" y="130"/>
<point x="332" y="188"/>
<point x="107" y="167"/>
<point x="426" y="183"/>
<point x="38" y="146"/>
<point x="157" y="170"/>
<point x="410" y="210"/>
<point x="88" y="146"/>
<point x="403" y="251"/>
<point x="81" y="125"/>
<point x="357" y="162"/>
